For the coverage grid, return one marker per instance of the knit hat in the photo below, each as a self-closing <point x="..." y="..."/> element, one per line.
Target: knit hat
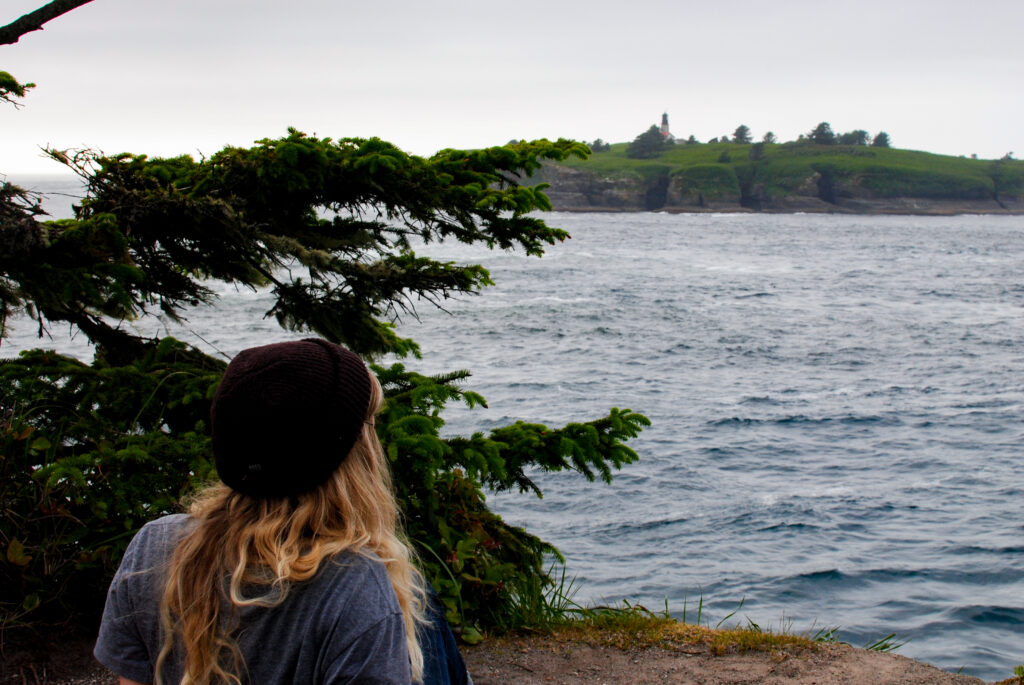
<point x="286" y="415"/>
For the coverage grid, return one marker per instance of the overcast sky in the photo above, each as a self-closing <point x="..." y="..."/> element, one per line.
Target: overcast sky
<point x="191" y="76"/>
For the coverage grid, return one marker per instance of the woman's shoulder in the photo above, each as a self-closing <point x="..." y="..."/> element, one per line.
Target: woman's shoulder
<point x="168" y="525"/>
<point x="356" y="564"/>
<point x="156" y="539"/>
<point x="360" y="577"/>
<point x="166" y="528"/>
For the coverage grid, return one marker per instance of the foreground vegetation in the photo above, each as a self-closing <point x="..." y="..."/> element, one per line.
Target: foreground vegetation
<point x="634" y="625"/>
<point x="92" y="451"/>
<point x="631" y="626"/>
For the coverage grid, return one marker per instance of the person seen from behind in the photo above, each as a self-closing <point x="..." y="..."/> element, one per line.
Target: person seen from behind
<point x="294" y="569"/>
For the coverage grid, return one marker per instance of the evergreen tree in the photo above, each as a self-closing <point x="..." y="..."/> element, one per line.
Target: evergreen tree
<point x="243" y="212"/>
<point x="741" y="135"/>
<point x="881" y="140"/>
<point x="769" y="138"/>
<point x="822" y="134"/>
<point x="328" y="226"/>
<point x="855" y="137"/>
<point x="94" y="450"/>
<point x="647" y="145"/>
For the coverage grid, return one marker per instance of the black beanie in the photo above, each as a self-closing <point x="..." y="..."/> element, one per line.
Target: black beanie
<point x="286" y="415"/>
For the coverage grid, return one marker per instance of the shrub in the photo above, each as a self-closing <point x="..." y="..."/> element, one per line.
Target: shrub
<point x="88" y="457"/>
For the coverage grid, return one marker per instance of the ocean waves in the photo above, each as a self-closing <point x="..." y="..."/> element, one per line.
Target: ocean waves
<point x="837" y="415"/>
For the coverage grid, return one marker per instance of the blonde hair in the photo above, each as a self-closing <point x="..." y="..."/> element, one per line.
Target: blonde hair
<point x="274" y="543"/>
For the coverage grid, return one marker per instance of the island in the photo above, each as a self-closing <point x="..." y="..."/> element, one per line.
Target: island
<point x="798" y="176"/>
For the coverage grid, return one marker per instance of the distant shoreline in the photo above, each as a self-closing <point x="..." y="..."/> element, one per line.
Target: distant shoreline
<point x="882" y="210"/>
<point x="785" y="178"/>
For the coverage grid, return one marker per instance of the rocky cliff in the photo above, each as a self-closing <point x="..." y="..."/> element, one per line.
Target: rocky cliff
<point x="718" y="188"/>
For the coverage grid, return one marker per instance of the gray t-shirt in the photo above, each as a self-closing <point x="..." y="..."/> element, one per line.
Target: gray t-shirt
<point x="344" y="625"/>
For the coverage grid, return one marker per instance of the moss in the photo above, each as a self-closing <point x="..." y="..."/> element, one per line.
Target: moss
<point x="632" y="628"/>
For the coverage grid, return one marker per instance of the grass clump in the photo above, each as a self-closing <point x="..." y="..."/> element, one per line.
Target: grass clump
<point x="560" y="618"/>
<point x="633" y="626"/>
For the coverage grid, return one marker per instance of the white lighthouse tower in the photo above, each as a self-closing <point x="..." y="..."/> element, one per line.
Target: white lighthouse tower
<point x="665" y="133"/>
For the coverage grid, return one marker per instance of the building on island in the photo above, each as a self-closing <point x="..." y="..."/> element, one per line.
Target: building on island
<point x="665" y="133"/>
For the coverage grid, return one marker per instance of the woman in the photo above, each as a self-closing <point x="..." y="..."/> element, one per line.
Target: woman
<point x="294" y="570"/>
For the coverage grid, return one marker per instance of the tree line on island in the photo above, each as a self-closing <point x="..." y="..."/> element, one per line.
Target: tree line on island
<point x="821" y="170"/>
<point x="653" y="141"/>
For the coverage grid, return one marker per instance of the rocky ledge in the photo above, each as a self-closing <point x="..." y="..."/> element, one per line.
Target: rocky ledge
<point x="576" y="190"/>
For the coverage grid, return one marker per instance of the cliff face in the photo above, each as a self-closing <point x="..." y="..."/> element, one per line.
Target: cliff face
<point x="575" y="190"/>
<point x="716" y="188"/>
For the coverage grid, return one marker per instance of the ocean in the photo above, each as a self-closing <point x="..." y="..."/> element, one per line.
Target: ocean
<point x="837" y="406"/>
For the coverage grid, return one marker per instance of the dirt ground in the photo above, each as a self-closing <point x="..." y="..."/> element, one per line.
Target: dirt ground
<point x="537" y="660"/>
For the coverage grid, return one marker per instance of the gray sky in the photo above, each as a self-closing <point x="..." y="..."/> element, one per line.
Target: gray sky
<point x="191" y="76"/>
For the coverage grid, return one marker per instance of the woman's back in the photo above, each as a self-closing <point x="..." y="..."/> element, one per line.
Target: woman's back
<point x="342" y="625"/>
<point x="294" y="569"/>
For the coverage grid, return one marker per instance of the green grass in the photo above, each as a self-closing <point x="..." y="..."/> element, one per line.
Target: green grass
<point x="634" y="626"/>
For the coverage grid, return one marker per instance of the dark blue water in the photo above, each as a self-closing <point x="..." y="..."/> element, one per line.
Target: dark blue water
<point x="838" y="413"/>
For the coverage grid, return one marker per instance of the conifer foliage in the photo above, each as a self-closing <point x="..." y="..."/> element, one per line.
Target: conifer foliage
<point x="92" y="451"/>
<point x="647" y="145"/>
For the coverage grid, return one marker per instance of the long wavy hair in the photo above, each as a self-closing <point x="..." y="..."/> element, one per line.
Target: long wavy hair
<point x="267" y="545"/>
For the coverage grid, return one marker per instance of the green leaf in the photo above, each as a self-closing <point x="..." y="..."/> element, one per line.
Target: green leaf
<point x="16" y="553"/>
<point x="470" y="635"/>
<point x="30" y="602"/>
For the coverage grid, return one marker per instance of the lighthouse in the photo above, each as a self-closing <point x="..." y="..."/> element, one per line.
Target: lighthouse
<point x="665" y="133"/>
